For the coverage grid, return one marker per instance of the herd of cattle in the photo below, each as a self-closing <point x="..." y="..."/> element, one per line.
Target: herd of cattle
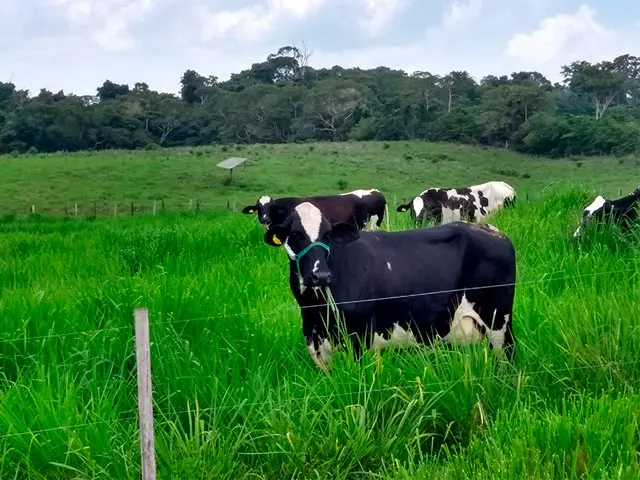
<point x="454" y="281"/>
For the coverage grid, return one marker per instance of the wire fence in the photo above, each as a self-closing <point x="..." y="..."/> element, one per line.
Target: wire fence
<point x="288" y="308"/>
<point x="124" y="208"/>
<point x="327" y="397"/>
<point x="130" y="415"/>
<point x="153" y="206"/>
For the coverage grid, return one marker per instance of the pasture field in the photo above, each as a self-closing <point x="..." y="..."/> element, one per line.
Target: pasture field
<point x="102" y="181"/>
<point x="236" y="394"/>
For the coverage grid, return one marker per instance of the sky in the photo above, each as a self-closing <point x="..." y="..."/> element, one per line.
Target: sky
<point x="74" y="45"/>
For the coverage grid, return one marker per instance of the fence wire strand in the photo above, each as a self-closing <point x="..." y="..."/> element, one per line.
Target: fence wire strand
<point x="363" y="391"/>
<point x="286" y="308"/>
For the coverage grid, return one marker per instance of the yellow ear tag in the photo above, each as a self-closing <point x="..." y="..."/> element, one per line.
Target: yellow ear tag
<point x="276" y="240"/>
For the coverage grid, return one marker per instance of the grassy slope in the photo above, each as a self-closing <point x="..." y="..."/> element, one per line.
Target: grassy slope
<point x="51" y="182"/>
<point x="264" y="411"/>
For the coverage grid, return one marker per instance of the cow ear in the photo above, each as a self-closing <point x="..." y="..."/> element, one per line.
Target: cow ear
<point x="248" y="210"/>
<point x="402" y="208"/>
<point x="275" y="236"/>
<point x="344" y="232"/>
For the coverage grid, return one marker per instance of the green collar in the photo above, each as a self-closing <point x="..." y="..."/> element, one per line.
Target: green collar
<point x="306" y="250"/>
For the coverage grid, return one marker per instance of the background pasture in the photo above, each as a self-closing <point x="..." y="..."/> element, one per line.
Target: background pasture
<point x="400" y="169"/>
<point x="236" y="395"/>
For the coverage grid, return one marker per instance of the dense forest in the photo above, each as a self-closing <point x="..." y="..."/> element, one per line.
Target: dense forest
<point x="594" y="110"/>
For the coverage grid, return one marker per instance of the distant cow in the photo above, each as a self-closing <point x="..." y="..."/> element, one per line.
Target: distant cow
<point x="621" y="211"/>
<point x="357" y="207"/>
<point x="408" y="287"/>
<point x="444" y="205"/>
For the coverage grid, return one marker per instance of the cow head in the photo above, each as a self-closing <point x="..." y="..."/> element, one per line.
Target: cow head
<point x="596" y="209"/>
<point x="427" y="205"/>
<point x="307" y="236"/>
<point x="268" y="210"/>
<point x="261" y="207"/>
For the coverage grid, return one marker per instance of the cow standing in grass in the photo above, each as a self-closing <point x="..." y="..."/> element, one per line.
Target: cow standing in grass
<point x="444" y="205"/>
<point x="357" y="207"/>
<point x="455" y="282"/>
<point x="622" y="211"/>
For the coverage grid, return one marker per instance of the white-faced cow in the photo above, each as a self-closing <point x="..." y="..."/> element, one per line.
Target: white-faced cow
<point x="621" y="211"/>
<point x="455" y="282"/>
<point x="444" y="205"/>
<point x="357" y="207"/>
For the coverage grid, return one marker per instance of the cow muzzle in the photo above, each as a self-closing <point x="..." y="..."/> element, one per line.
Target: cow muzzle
<point x="320" y="275"/>
<point x="320" y="278"/>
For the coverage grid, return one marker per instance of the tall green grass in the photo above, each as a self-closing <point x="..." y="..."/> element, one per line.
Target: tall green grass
<point x="236" y="394"/>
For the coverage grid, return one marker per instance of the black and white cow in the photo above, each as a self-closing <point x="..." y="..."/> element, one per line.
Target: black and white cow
<point x="444" y="205"/>
<point x="620" y="211"/>
<point x="357" y="207"/>
<point x="391" y="288"/>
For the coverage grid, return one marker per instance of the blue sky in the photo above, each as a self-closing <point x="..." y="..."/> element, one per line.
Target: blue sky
<point x="75" y="45"/>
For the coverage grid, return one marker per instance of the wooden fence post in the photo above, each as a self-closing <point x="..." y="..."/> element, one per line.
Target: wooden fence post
<point x="115" y="209"/>
<point x="145" y="399"/>
<point x="163" y="205"/>
<point x="131" y="208"/>
<point x="198" y="206"/>
<point x="154" y="207"/>
<point x="76" y="209"/>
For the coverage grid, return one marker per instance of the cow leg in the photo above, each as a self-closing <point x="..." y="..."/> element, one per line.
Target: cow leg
<point x="319" y="342"/>
<point x="324" y="337"/>
<point x="503" y="338"/>
<point x="499" y="321"/>
<point x="509" y="344"/>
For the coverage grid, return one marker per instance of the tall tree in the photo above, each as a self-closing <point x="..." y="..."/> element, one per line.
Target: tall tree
<point x="601" y="82"/>
<point x="110" y="90"/>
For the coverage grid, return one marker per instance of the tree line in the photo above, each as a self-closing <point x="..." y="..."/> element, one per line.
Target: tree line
<point x="594" y="110"/>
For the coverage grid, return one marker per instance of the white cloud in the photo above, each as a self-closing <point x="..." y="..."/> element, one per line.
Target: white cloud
<point x="11" y="17"/>
<point x="157" y="40"/>
<point x="573" y="35"/>
<point x="251" y="24"/>
<point x="108" y="21"/>
<point x="461" y="13"/>
<point x="378" y="13"/>
<point x="77" y="10"/>
<point x="247" y="24"/>
<point x="298" y="8"/>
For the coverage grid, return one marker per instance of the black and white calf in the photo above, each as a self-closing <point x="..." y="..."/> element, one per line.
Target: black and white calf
<point x="620" y="211"/>
<point x="393" y="288"/>
<point x="444" y="205"/>
<point x="357" y="207"/>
